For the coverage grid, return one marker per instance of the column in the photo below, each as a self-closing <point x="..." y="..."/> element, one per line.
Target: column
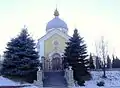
<point x="39" y="82"/>
<point x="70" y="77"/>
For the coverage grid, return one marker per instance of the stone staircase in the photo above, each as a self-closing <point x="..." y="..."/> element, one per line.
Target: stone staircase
<point x="54" y="80"/>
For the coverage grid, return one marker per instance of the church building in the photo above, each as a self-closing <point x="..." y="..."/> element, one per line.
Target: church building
<point x="51" y="46"/>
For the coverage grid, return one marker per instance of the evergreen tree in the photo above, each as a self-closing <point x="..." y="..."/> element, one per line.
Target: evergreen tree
<point x="113" y="61"/>
<point x="21" y="58"/>
<point x="91" y="63"/>
<point x="75" y="56"/>
<point x="108" y="62"/>
<point x="116" y="63"/>
<point x="98" y="63"/>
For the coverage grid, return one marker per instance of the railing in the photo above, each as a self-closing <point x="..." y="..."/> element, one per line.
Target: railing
<point x="68" y="76"/>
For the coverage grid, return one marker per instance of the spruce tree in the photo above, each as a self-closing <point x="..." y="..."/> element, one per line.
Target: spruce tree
<point x="113" y="61"/>
<point x="116" y="63"/>
<point x="75" y="56"/>
<point x="91" y="63"/>
<point x="98" y="62"/>
<point x="21" y="58"/>
<point x="108" y="62"/>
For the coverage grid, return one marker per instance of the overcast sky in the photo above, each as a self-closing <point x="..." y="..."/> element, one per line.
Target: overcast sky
<point x="93" y="19"/>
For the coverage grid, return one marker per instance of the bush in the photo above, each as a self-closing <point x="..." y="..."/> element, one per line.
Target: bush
<point x="101" y="83"/>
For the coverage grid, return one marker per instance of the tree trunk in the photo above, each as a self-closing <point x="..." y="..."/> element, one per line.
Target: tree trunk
<point x="104" y="73"/>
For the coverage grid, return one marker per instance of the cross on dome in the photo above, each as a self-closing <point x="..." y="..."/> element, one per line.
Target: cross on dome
<point x="56" y="13"/>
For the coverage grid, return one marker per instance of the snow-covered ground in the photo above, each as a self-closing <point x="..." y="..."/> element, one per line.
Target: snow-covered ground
<point x="7" y="82"/>
<point x="112" y="80"/>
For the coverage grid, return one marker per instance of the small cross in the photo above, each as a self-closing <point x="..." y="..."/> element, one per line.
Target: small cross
<point x="25" y="27"/>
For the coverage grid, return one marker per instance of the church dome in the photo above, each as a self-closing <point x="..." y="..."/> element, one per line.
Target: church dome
<point x="56" y="22"/>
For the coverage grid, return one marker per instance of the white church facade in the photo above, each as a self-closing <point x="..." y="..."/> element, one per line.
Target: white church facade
<point x="51" y="46"/>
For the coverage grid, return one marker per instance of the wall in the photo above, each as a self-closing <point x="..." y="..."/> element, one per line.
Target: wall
<point x="49" y="45"/>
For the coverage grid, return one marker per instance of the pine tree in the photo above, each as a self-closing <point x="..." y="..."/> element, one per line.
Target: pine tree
<point x="75" y="56"/>
<point x="108" y="62"/>
<point x="91" y="63"/>
<point x="21" y="58"/>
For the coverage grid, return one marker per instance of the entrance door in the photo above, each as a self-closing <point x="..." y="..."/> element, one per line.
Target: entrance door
<point x="56" y="62"/>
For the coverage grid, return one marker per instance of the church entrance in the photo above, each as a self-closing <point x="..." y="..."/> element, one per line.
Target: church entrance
<point x="56" y="62"/>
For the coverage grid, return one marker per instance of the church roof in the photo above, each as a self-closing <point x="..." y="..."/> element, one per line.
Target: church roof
<point x="56" y="22"/>
<point x="47" y="35"/>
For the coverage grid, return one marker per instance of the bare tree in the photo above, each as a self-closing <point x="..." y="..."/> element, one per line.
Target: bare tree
<point x="102" y="52"/>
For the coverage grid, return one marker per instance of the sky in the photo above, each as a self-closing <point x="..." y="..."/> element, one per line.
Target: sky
<point x="92" y="18"/>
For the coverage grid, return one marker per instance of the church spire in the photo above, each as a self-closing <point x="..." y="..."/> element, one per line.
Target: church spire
<point x="56" y="13"/>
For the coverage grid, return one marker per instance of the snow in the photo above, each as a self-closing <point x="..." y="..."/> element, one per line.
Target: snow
<point x="112" y="80"/>
<point x="7" y="82"/>
<point x="30" y="86"/>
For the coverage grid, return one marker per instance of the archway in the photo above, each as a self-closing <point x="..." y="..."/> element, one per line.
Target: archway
<point x="56" y="62"/>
